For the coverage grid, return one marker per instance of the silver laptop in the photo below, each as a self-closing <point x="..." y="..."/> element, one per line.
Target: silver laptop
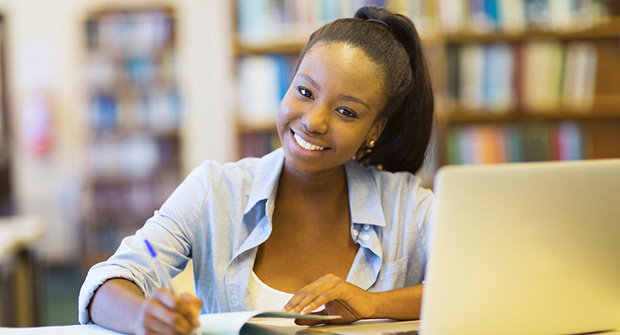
<point x="525" y="248"/>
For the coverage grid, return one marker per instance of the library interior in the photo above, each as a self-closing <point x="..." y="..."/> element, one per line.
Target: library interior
<point x="106" y="105"/>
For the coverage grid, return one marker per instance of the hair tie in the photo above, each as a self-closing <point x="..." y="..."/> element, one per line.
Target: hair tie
<point x="379" y="22"/>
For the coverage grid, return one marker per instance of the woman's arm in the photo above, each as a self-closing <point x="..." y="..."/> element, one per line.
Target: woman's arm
<point x="353" y="303"/>
<point x="119" y="304"/>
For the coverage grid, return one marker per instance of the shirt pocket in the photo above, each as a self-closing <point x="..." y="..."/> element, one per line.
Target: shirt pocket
<point x="391" y="276"/>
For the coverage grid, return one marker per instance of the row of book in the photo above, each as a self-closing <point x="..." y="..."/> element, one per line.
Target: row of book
<point x="105" y="71"/>
<point x="262" y="82"/>
<point x="263" y="21"/>
<point x="538" y="76"/>
<point x="518" y="15"/>
<point x="133" y="31"/>
<point x="158" y="111"/>
<point x="119" y="209"/>
<point x="135" y="156"/>
<point x="488" y="144"/>
<point x="134" y="200"/>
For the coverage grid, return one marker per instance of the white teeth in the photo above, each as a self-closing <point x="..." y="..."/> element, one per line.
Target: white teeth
<point x="305" y="144"/>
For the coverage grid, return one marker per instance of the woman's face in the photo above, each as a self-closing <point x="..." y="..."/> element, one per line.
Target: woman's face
<point x="331" y="108"/>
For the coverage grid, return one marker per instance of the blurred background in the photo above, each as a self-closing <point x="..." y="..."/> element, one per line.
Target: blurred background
<point x="106" y="105"/>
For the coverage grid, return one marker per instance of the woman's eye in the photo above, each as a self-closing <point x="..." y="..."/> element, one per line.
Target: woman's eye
<point x="346" y="112"/>
<point x="305" y="92"/>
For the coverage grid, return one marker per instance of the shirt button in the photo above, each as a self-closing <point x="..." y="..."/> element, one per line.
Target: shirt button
<point x="356" y="232"/>
<point x="366" y="227"/>
<point x="365" y="237"/>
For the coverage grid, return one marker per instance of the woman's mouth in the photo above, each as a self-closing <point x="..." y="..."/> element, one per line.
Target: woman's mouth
<point x="305" y="145"/>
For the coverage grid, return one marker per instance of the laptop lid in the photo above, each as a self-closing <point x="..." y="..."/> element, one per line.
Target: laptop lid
<point x="525" y="248"/>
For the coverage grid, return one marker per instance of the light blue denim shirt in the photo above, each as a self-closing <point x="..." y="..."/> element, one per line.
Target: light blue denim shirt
<point x="220" y="214"/>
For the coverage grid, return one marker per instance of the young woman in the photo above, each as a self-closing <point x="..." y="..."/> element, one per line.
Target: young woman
<point x="334" y="222"/>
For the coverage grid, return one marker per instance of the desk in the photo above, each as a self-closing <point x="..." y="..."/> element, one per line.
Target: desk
<point x="18" y="288"/>
<point x="366" y="327"/>
<point x="361" y="329"/>
<point x="59" y="330"/>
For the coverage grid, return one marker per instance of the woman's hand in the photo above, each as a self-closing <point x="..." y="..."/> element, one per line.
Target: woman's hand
<point x="339" y="297"/>
<point x="166" y="313"/>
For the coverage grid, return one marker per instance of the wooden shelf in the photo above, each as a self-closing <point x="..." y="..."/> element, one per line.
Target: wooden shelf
<point x="610" y="29"/>
<point x="461" y="117"/>
<point x="292" y="45"/>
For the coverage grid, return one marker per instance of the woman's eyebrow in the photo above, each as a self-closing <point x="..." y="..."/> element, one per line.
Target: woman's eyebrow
<point x="340" y="96"/>
<point x="308" y="78"/>
<point x="352" y="98"/>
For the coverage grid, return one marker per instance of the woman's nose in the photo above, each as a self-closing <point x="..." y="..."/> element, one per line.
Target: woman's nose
<point x="315" y="120"/>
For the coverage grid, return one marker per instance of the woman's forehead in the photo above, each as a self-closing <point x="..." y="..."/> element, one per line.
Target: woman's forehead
<point x="344" y="69"/>
<point x="343" y="60"/>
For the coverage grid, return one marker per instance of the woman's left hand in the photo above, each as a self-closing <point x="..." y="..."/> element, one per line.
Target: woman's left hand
<point x="339" y="297"/>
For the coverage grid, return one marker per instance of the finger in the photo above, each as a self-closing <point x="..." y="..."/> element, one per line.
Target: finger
<point x="174" y="321"/>
<point x="155" y="310"/>
<point x="310" y="322"/>
<point x="189" y="307"/>
<point x="301" y="293"/>
<point x="325" y="282"/>
<point x="182" y="325"/>
<point x="319" y="296"/>
<point x="165" y="297"/>
<point x="154" y="326"/>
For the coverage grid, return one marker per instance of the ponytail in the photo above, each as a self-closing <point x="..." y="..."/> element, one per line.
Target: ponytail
<point x="405" y="138"/>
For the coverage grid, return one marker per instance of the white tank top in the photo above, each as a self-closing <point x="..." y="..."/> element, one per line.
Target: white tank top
<point x="265" y="297"/>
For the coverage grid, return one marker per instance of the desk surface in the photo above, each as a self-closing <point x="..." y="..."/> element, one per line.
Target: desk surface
<point x="58" y="330"/>
<point x="367" y="327"/>
<point x="357" y="329"/>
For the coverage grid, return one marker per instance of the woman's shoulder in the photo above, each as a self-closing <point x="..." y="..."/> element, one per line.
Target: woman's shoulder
<point x="388" y="180"/>
<point x="241" y="171"/>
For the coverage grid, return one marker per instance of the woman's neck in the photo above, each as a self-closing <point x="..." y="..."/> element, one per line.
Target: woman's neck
<point x="320" y="186"/>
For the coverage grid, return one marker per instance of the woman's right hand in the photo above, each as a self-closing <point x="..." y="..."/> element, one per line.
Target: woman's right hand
<point x="167" y="313"/>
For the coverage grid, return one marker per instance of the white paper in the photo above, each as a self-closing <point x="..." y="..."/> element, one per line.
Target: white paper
<point x="231" y="323"/>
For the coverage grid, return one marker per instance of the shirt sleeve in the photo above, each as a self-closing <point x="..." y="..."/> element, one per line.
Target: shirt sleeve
<point x="169" y="231"/>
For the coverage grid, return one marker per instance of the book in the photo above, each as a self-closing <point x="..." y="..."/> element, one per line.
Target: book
<point x="542" y="79"/>
<point x="499" y="70"/>
<point x="579" y="76"/>
<point x="232" y="322"/>
<point x="471" y="65"/>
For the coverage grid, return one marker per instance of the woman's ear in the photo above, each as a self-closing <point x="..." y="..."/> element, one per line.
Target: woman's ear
<point x="377" y="128"/>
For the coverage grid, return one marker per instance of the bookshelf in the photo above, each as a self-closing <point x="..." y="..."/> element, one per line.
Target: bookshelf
<point x="133" y="115"/>
<point x="515" y="80"/>
<point x="553" y="96"/>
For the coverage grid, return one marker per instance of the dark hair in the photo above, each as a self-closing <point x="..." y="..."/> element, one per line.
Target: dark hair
<point x="392" y="42"/>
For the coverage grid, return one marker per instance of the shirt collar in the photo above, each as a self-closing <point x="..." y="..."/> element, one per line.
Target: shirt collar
<point x="364" y="196"/>
<point x="266" y="178"/>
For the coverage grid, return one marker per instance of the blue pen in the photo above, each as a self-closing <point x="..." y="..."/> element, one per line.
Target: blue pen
<point x="163" y="274"/>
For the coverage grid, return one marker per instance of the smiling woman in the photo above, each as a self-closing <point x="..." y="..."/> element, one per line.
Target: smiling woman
<point x="333" y="103"/>
<point x="335" y="222"/>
